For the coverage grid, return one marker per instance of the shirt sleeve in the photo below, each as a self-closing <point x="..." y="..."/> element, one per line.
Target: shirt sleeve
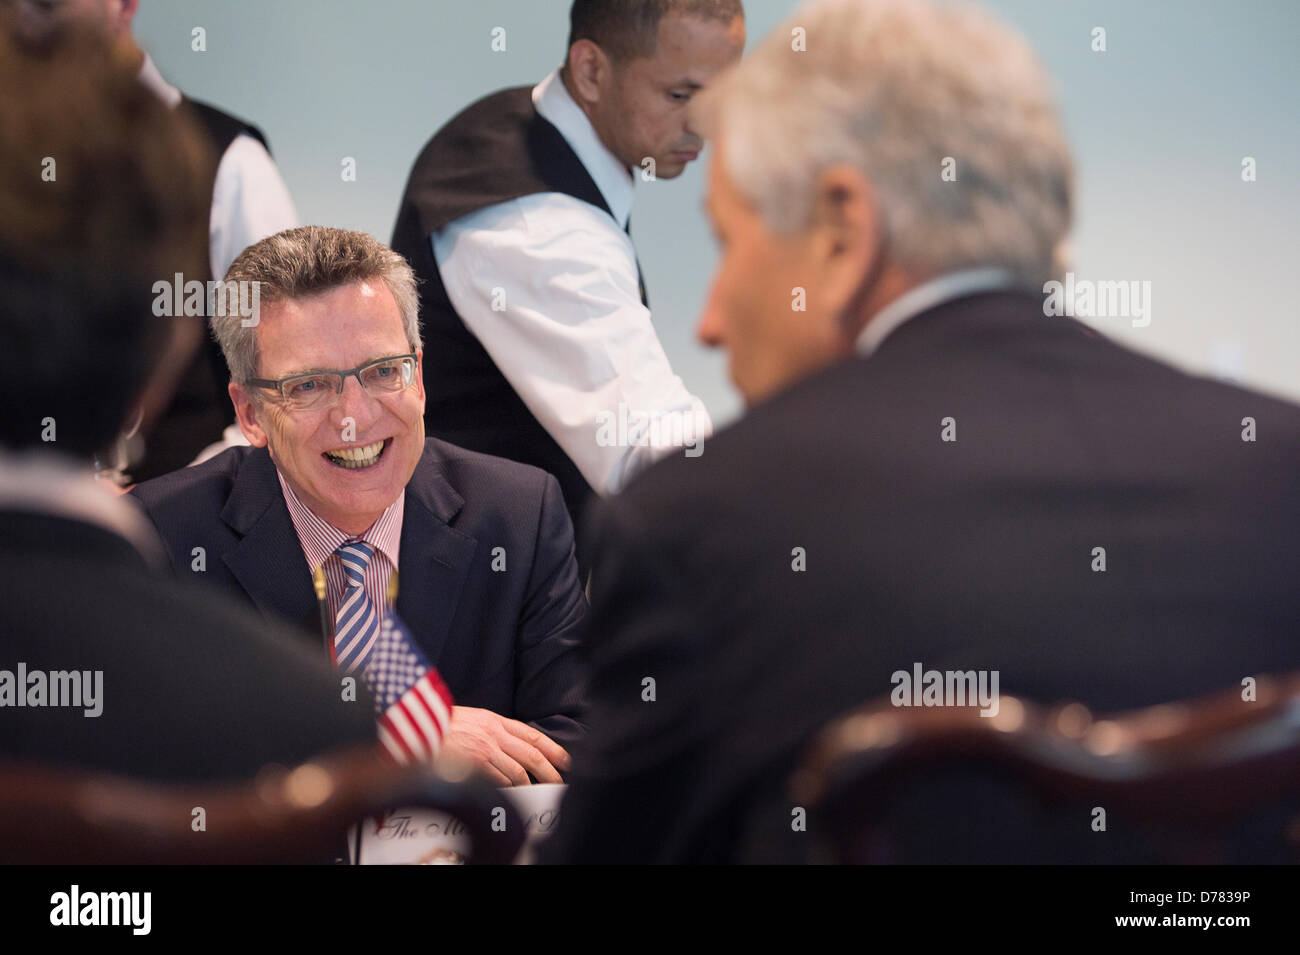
<point x="548" y="285"/>
<point x="249" y="202"/>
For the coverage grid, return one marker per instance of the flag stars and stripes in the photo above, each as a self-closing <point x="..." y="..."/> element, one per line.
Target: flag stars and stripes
<point x="413" y="705"/>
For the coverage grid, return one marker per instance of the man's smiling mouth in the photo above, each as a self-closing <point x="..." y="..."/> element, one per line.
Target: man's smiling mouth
<point x="358" y="458"/>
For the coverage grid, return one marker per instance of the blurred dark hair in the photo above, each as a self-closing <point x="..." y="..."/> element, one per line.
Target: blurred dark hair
<point x="628" y="29"/>
<point x="103" y="192"/>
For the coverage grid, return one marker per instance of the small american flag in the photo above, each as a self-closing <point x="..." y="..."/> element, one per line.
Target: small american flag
<point x="412" y="704"/>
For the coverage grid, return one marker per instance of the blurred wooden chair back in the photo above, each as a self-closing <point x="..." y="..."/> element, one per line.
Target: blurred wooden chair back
<point x="1214" y="780"/>
<point x="298" y="815"/>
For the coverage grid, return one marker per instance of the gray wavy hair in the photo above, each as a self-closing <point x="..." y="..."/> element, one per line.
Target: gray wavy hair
<point x="895" y="88"/>
<point x="300" y="262"/>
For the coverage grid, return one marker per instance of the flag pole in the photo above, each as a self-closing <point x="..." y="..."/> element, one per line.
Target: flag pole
<point x="326" y="624"/>
<point x="392" y="605"/>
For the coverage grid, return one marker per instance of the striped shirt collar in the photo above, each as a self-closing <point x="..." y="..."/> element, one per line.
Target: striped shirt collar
<point x="321" y="539"/>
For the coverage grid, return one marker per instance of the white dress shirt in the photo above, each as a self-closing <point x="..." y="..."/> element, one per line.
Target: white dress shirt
<point x="249" y="199"/>
<point x="573" y="340"/>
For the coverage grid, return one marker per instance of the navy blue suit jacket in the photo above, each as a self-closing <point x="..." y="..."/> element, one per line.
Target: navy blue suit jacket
<point x="504" y="640"/>
<point x="975" y="554"/>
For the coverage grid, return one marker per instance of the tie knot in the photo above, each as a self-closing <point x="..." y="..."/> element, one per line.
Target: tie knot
<point x="356" y="557"/>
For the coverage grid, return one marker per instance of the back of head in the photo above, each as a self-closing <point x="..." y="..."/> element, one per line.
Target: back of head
<point x="103" y="192"/>
<point x="946" y="111"/>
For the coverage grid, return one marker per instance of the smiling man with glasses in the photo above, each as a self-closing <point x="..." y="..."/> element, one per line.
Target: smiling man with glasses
<point x="327" y="387"/>
<point x="318" y="390"/>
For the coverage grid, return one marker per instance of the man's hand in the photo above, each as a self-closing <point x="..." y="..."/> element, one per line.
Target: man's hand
<point x="506" y="750"/>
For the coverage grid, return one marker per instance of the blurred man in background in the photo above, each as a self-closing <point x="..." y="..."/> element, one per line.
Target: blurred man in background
<point x="516" y="219"/>
<point x="932" y="470"/>
<point x="248" y="201"/>
<point x="106" y="661"/>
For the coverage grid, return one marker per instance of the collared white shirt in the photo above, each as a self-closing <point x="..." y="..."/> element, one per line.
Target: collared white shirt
<point x="574" y="340"/>
<point x="926" y="296"/>
<point x="249" y="199"/>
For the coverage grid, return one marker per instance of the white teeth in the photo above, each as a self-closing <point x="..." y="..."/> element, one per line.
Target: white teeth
<point x="357" y="457"/>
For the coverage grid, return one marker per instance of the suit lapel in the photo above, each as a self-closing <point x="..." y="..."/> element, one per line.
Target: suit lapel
<point x="268" y="562"/>
<point x="435" y="558"/>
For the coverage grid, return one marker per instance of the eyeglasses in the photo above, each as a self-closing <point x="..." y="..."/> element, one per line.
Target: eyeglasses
<point x="320" y="389"/>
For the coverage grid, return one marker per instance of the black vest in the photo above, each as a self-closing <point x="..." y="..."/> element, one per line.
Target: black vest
<point x="200" y="409"/>
<point x="496" y="150"/>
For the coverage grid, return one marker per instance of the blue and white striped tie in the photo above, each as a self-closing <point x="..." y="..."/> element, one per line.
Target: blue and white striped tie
<point x="356" y="625"/>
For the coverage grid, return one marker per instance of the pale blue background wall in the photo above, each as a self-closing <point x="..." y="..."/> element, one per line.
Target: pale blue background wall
<point x="1159" y="123"/>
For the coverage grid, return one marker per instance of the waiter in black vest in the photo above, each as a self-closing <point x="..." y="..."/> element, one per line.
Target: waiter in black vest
<point x="249" y="202"/>
<point x="540" y="346"/>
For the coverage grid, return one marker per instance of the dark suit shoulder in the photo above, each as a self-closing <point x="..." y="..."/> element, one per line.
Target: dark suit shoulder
<point x="472" y="132"/>
<point x="512" y="100"/>
<point x="485" y="476"/>
<point x="186" y="506"/>
<point x="212" y="479"/>
<point x="223" y="127"/>
<point x="1051" y="393"/>
<point x="195" y="687"/>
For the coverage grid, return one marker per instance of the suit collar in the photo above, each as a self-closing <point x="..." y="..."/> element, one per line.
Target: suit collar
<point x="435" y="557"/>
<point x="31" y="532"/>
<point x="429" y="486"/>
<point x="268" y="561"/>
<point x="257" y="489"/>
<point x="929" y="295"/>
<point x="977" y="319"/>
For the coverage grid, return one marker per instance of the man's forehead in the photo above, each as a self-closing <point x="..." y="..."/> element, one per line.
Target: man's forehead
<point x="367" y="310"/>
<point x="372" y="295"/>
<point x="688" y="46"/>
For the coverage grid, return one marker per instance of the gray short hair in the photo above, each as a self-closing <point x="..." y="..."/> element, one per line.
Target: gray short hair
<point x="895" y="88"/>
<point x="305" y="261"/>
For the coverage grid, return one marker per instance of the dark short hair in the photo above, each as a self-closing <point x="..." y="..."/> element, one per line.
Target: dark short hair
<point x="103" y="192"/>
<point x="628" y="29"/>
